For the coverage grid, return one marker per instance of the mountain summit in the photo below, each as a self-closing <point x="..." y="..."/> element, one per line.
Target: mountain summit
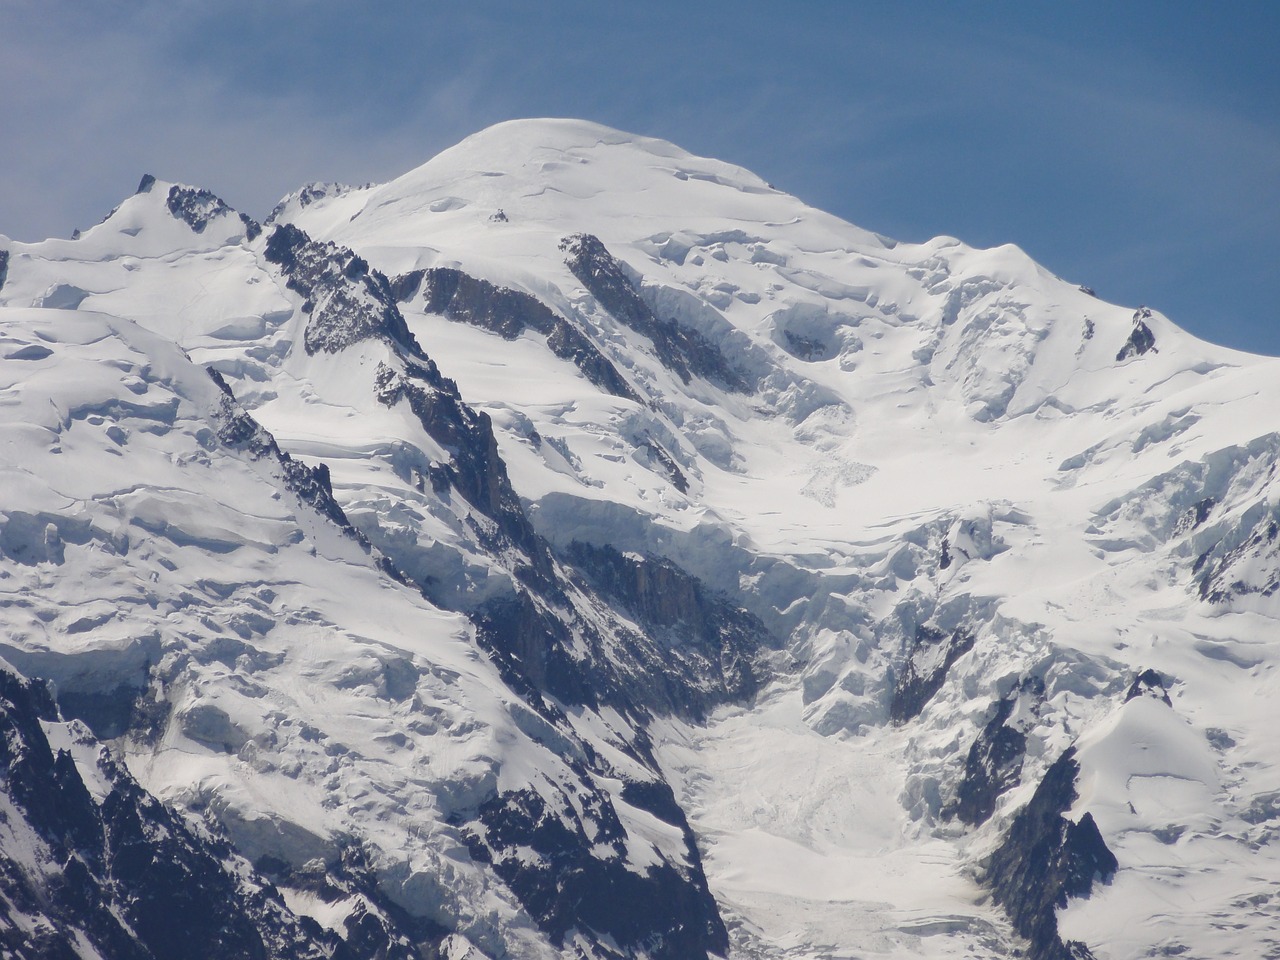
<point x="576" y="547"/>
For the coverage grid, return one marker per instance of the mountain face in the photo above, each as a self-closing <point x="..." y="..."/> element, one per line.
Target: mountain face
<point x="576" y="547"/>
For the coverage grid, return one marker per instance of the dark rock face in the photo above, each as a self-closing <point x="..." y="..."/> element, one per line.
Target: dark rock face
<point x="806" y="348"/>
<point x="1045" y="859"/>
<point x="569" y="343"/>
<point x="509" y="313"/>
<point x="684" y="351"/>
<point x="931" y="655"/>
<point x="1141" y="340"/>
<point x="1195" y="516"/>
<point x="696" y="650"/>
<point x="994" y="763"/>
<point x="4" y="267"/>
<point x="593" y="660"/>
<point x="571" y="886"/>
<point x="145" y="184"/>
<point x="348" y="302"/>
<point x="108" y="714"/>
<point x="1148" y="683"/>
<point x="708" y="646"/>
<point x="530" y="646"/>
<point x="124" y="874"/>
<point x="577" y="882"/>
<point x="197" y="208"/>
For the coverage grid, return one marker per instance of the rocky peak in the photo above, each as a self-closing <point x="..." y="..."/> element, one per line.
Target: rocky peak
<point x="197" y="208"/>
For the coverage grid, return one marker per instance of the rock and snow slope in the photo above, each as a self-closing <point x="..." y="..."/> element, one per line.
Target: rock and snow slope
<point x="583" y="545"/>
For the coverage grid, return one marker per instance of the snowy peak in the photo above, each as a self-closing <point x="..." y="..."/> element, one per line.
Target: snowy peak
<point x="584" y="177"/>
<point x="560" y="134"/>
<point x="566" y="154"/>
<point x="577" y="545"/>
<point x="203" y="213"/>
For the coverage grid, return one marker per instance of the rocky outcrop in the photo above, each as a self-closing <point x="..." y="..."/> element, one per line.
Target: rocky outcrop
<point x="565" y="854"/>
<point x="994" y="762"/>
<point x="569" y="861"/>
<point x="1148" y="683"/>
<point x="1045" y="859"/>
<point x="931" y="654"/>
<point x="309" y="194"/>
<point x="681" y="349"/>
<point x="197" y="208"/>
<point x="350" y="303"/>
<point x="509" y="313"/>
<point x="346" y="300"/>
<point x="530" y="646"/>
<point x="649" y="449"/>
<point x="1141" y="339"/>
<point x="553" y="645"/>
<point x="559" y="870"/>
<point x="371" y="925"/>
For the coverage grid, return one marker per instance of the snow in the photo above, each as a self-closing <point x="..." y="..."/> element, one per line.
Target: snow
<point x="808" y="845"/>
<point x="905" y="394"/>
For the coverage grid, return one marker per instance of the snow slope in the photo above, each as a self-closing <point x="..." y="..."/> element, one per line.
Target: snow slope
<point x="952" y="509"/>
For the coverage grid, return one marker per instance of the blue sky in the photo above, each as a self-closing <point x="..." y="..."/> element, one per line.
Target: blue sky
<point x="1131" y="147"/>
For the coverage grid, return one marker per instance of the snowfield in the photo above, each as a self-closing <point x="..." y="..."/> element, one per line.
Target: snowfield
<point x="623" y="557"/>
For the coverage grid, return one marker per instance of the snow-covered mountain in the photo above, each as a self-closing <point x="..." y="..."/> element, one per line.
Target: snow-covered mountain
<point x="576" y="547"/>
